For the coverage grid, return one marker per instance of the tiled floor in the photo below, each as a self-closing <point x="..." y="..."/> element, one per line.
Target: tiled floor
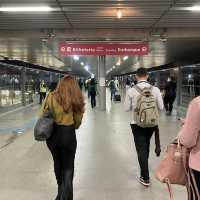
<point x="106" y="162"/>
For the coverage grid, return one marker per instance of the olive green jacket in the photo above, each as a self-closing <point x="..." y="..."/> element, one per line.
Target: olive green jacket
<point x="60" y="116"/>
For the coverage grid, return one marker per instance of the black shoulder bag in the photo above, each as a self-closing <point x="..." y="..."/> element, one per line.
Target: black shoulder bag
<point x="44" y="126"/>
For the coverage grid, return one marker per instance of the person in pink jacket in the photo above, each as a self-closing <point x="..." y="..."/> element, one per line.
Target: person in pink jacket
<point x="190" y="137"/>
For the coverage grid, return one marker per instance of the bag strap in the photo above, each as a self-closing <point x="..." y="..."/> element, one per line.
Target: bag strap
<point x="171" y="195"/>
<point x="191" y="182"/>
<point x="193" y="185"/>
<point x="50" y="101"/>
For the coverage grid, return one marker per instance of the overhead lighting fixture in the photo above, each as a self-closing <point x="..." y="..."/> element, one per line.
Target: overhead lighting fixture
<point x="27" y="9"/>
<point x="82" y="63"/>
<point x="163" y="39"/>
<point x="76" y="58"/>
<point x="44" y="39"/>
<point x="86" y="67"/>
<point x="125" y="58"/>
<point x="118" y="62"/>
<point x="194" y="8"/>
<point x="189" y="76"/>
<point x="114" y="67"/>
<point x="119" y="13"/>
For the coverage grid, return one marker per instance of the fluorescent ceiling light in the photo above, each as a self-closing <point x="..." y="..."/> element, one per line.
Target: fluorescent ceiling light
<point x="86" y="67"/>
<point x="190" y="76"/>
<point x="118" y="62"/>
<point x="125" y="58"/>
<point x="26" y="9"/>
<point x="194" y="8"/>
<point x="76" y="58"/>
<point x="119" y="13"/>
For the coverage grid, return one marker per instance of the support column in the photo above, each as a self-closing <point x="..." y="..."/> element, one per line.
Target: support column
<point x="23" y="88"/>
<point x="158" y="78"/>
<point x="102" y="82"/>
<point x="51" y="77"/>
<point x="179" y="86"/>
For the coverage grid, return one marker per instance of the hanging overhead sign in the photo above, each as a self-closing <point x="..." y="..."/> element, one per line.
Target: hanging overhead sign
<point x="98" y="49"/>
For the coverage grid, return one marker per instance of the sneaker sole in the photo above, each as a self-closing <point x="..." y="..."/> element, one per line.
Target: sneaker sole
<point x="144" y="184"/>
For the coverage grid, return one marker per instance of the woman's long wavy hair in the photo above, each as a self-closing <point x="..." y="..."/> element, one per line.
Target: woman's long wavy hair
<point x="68" y="94"/>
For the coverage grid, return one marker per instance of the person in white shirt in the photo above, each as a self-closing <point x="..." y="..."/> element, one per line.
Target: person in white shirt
<point x="116" y="84"/>
<point x="142" y="136"/>
<point x="128" y="84"/>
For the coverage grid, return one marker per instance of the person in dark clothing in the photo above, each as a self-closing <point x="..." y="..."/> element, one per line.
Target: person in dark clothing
<point x="43" y="91"/>
<point x="80" y="82"/>
<point x="66" y="103"/>
<point x="196" y="86"/>
<point x="53" y="86"/>
<point x="112" y="89"/>
<point x="93" y="92"/>
<point x="170" y="95"/>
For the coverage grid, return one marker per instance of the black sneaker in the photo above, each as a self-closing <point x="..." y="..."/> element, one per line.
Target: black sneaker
<point x="145" y="183"/>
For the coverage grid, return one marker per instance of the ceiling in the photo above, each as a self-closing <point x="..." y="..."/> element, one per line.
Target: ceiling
<point x="35" y="37"/>
<point x="102" y="14"/>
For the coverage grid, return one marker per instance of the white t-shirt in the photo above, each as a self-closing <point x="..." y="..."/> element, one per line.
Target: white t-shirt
<point x="132" y="96"/>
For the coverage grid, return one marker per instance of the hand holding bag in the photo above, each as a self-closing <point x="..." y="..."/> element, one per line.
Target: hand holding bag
<point x="44" y="126"/>
<point x="174" y="169"/>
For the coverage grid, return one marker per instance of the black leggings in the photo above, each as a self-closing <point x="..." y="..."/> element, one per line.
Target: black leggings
<point x="193" y="193"/>
<point x="62" y="145"/>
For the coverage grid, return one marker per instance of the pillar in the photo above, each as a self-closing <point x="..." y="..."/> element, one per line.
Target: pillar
<point x="23" y="87"/>
<point x="179" y="86"/>
<point x="158" y="77"/>
<point x="102" y="82"/>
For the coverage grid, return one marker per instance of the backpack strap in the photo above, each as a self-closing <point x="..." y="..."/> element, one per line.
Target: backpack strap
<point x="139" y="90"/>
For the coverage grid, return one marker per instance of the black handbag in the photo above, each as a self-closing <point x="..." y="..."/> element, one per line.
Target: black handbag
<point x="44" y="126"/>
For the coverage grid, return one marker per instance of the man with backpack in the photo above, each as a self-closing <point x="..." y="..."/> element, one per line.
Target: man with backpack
<point x="144" y="100"/>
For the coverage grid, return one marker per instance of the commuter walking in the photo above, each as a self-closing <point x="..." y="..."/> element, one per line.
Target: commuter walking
<point x="144" y="100"/>
<point x="128" y="84"/>
<point x="88" y="85"/>
<point x="80" y="82"/>
<point x="113" y="89"/>
<point x="170" y="95"/>
<point x="189" y="137"/>
<point x="66" y="104"/>
<point x="116" y="84"/>
<point x="43" y="91"/>
<point x="93" y="92"/>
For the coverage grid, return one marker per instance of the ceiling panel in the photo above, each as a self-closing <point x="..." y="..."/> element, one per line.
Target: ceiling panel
<point x="96" y="15"/>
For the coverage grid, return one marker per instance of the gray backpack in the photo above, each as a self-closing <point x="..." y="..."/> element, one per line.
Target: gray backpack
<point x="44" y="126"/>
<point x="146" y="112"/>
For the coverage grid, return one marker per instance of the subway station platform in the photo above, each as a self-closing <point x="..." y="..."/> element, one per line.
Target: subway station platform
<point x="106" y="161"/>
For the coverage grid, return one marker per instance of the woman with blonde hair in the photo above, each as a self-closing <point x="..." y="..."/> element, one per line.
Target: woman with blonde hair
<point x="66" y="103"/>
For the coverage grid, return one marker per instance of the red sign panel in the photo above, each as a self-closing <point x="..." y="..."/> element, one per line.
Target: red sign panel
<point x="98" y="49"/>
